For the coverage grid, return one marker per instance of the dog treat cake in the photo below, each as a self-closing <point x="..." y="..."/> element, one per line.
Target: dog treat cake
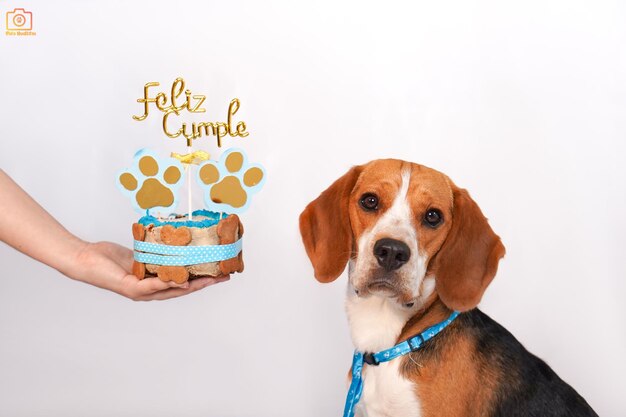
<point x="212" y="247"/>
<point x="179" y="247"/>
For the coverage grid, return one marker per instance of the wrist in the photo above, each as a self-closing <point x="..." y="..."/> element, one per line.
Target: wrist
<point x="75" y="259"/>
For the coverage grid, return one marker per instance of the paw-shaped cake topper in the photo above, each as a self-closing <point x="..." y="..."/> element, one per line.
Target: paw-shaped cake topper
<point x="229" y="183"/>
<point x="152" y="182"/>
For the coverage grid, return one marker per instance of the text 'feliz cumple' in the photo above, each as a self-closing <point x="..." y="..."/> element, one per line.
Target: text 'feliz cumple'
<point x="192" y="103"/>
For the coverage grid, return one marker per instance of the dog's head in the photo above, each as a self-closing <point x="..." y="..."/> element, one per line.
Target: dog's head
<point x="396" y="223"/>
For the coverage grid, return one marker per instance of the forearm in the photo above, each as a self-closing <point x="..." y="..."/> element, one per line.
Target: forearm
<point x="27" y="227"/>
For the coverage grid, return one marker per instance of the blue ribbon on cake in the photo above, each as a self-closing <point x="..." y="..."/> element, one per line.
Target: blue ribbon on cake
<point x="157" y="254"/>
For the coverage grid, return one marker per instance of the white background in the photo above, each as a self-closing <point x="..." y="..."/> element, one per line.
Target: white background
<point x="522" y="103"/>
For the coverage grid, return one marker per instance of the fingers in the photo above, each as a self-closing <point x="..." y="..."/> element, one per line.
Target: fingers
<point x="193" y="285"/>
<point x="151" y="285"/>
<point x="137" y="289"/>
<point x="215" y="280"/>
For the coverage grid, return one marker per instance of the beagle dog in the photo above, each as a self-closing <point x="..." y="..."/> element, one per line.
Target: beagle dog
<point x="418" y="248"/>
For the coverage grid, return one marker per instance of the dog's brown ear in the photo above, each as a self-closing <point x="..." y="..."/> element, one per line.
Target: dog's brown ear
<point x="325" y="228"/>
<point x="468" y="259"/>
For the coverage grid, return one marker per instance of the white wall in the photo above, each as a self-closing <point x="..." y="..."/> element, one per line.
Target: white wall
<point x="522" y="103"/>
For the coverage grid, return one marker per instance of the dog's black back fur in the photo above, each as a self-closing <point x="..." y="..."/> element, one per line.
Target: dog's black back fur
<point x="527" y="386"/>
<point x="532" y="388"/>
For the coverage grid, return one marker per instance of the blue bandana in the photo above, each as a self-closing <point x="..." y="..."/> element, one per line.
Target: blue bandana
<point x="402" y="348"/>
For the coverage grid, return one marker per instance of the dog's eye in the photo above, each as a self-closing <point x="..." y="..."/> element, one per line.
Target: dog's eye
<point x="433" y="218"/>
<point x="369" y="202"/>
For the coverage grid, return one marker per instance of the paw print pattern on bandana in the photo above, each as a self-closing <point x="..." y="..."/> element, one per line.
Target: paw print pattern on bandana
<point x="229" y="183"/>
<point x="152" y="182"/>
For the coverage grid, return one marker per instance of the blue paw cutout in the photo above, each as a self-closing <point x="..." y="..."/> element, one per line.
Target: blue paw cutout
<point x="229" y="183"/>
<point x="152" y="182"/>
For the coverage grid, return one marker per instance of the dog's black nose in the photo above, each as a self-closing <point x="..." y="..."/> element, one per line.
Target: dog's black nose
<point x="391" y="254"/>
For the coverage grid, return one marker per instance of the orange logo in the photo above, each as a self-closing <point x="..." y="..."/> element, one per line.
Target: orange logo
<point x="19" y="22"/>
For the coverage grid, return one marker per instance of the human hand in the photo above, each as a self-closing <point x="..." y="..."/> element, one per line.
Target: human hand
<point x="107" y="265"/>
<point x="103" y="264"/>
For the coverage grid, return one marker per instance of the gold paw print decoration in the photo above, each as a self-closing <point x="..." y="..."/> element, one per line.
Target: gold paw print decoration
<point x="229" y="183"/>
<point x="152" y="182"/>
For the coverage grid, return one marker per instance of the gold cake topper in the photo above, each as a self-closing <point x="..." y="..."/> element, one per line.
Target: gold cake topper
<point x="193" y="104"/>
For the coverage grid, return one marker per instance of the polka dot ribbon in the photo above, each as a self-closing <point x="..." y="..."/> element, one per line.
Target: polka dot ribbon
<point x="156" y="254"/>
